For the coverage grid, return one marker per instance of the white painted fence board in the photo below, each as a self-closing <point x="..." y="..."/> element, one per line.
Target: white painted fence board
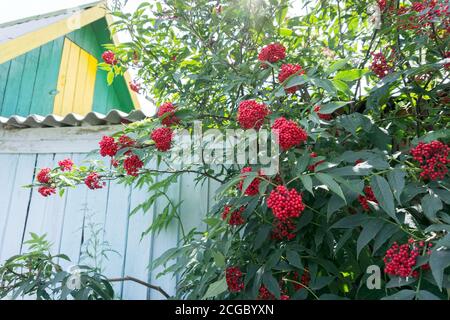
<point x="163" y="241"/>
<point x="116" y="231"/>
<point x="12" y="237"/>
<point x="72" y="229"/>
<point x="138" y="250"/>
<point x="8" y="165"/>
<point x="38" y="205"/>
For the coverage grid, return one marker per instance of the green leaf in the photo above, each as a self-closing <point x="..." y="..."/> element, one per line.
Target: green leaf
<point x="350" y="221"/>
<point x="294" y="259"/>
<point x="332" y="106"/>
<point x="325" y="84"/>
<point x="216" y="288"/>
<point x="426" y="295"/>
<point x="302" y="163"/>
<point x="383" y="194"/>
<point x="219" y="259"/>
<point x="110" y="78"/>
<point x="370" y="230"/>
<point x="261" y="236"/>
<point x="431" y="204"/>
<point x="271" y="284"/>
<point x="331" y="184"/>
<point x="384" y="235"/>
<point x="439" y="260"/>
<point x="307" y="183"/>
<point x="337" y="66"/>
<point x="401" y="295"/>
<point x="396" y="180"/>
<point x="350" y="75"/>
<point x="396" y="282"/>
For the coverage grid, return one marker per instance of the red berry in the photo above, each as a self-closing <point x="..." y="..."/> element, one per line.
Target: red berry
<point x="285" y="203"/>
<point x="289" y="133"/>
<point x="272" y="53"/>
<point x="163" y="138"/>
<point x="251" y="114"/>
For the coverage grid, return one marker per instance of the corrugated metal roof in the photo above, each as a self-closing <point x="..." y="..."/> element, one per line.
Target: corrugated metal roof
<point x="72" y="120"/>
<point x="15" y="29"/>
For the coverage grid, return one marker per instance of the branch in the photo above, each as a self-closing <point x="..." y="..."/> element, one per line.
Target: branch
<point x="148" y="285"/>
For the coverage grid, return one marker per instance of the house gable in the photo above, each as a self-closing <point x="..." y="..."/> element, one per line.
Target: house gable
<point x="29" y="83"/>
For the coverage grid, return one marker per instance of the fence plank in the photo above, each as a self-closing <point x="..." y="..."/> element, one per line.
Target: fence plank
<point x="6" y="189"/>
<point x="116" y="231"/>
<point x="15" y="223"/>
<point x="72" y="230"/>
<point x="137" y="254"/>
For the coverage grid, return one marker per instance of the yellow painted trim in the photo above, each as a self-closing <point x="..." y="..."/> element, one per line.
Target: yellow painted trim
<point x="91" y="76"/>
<point x="27" y="42"/>
<point x="76" y="81"/>
<point x="126" y="76"/>
<point x="59" y="98"/>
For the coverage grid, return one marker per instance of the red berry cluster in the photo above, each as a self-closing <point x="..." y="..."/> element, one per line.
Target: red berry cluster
<point x="289" y="133"/>
<point x="251" y="114"/>
<point x="163" y="138"/>
<point x="109" y="57"/>
<point x="301" y="281"/>
<point x="285" y="203"/>
<point x="126" y="142"/>
<point x="167" y="111"/>
<point x="43" y="175"/>
<point x="368" y="196"/>
<point x="46" y="191"/>
<point x="134" y="86"/>
<point x="93" y="181"/>
<point x="66" y="164"/>
<point x="380" y="65"/>
<point x="283" y="230"/>
<point x="272" y="53"/>
<point x="236" y="218"/>
<point x="234" y="280"/>
<point x="288" y="70"/>
<point x="253" y="188"/>
<point x="264" y="294"/>
<point x="433" y="158"/>
<point x="132" y="164"/>
<point x="108" y="146"/>
<point x="401" y="260"/>
<point x="381" y="4"/>
<point x="326" y="117"/>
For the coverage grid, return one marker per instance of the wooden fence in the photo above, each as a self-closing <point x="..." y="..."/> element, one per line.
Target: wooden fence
<point x="103" y="215"/>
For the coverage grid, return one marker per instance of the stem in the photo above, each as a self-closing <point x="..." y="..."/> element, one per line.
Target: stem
<point x="148" y="285"/>
<point x="301" y="284"/>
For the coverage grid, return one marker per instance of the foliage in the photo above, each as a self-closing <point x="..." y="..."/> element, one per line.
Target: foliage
<point x="39" y="275"/>
<point x="360" y="186"/>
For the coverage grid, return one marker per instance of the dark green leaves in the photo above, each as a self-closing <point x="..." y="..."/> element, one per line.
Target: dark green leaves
<point x="331" y="184"/>
<point x="383" y="194"/>
<point x="216" y="288"/>
<point x="396" y="180"/>
<point x="370" y="230"/>
<point x="439" y="260"/>
<point x="401" y="295"/>
<point x="431" y="204"/>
